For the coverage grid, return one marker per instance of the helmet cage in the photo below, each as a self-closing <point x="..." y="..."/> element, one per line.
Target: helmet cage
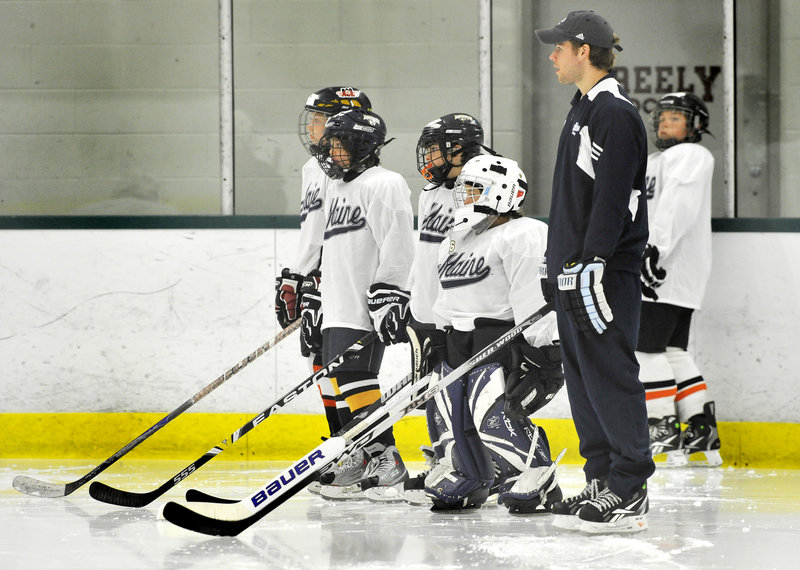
<point x="360" y="134"/>
<point x="456" y="134"/>
<point x="327" y="102"/>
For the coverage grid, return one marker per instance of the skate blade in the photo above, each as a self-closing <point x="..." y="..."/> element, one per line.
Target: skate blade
<point x="709" y="458"/>
<point x="625" y="524"/>
<point x="676" y="458"/>
<point x="315" y="487"/>
<point x="342" y="493"/>
<point x="385" y="493"/>
<point x="567" y="522"/>
<point x="417" y="497"/>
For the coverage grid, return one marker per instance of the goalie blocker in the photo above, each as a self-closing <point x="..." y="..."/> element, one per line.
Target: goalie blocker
<point x="231" y="519"/>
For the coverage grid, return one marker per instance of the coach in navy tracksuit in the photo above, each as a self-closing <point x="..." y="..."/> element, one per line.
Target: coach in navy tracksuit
<point x="597" y="233"/>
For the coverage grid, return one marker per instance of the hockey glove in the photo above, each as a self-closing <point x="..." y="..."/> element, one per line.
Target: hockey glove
<point x="388" y="309"/>
<point x="311" y="315"/>
<point x="287" y="297"/>
<point x="536" y="376"/>
<point x="548" y="288"/>
<point x="652" y="274"/>
<point x="580" y="288"/>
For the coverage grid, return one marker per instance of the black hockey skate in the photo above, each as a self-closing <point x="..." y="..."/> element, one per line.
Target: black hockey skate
<point x="701" y="440"/>
<point x="665" y="442"/>
<point x="608" y="512"/>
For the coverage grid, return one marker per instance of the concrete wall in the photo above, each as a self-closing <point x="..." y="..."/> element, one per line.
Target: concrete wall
<point x="140" y="320"/>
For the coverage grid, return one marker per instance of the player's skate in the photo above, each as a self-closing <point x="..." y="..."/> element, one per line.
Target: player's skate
<point x="534" y="491"/>
<point x="384" y="478"/>
<point x="344" y="481"/>
<point x="452" y="491"/>
<point x="609" y="512"/>
<point x="414" y="487"/>
<point x="566" y="510"/>
<point x="701" y="441"/>
<point x="665" y="442"/>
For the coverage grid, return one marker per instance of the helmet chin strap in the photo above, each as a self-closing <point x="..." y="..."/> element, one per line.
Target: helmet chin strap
<point x="355" y="171"/>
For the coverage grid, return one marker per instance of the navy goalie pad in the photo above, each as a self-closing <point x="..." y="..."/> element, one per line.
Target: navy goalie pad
<point x="507" y="439"/>
<point x="469" y="474"/>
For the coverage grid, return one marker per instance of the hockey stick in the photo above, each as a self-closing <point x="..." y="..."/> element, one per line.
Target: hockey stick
<point x="232" y="518"/>
<point x="38" y="488"/>
<point x="107" y="494"/>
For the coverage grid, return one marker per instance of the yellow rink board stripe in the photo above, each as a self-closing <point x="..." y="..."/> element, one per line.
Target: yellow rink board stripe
<point x="287" y="436"/>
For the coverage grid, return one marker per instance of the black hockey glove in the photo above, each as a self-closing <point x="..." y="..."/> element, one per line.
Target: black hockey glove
<point x="580" y="288"/>
<point x="388" y="309"/>
<point x="536" y="377"/>
<point x="287" y="297"/>
<point x="548" y="288"/>
<point x="428" y="347"/>
<point x="311" y="315"/>
<point x="652" y="274"/>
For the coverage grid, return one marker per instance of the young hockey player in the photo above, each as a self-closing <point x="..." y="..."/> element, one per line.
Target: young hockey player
<point x="675" y="269"/>
<point x="596" y="237"/>
<point x="320" y="106"/>
<point x="488" y="268"/>
<point x="368" y="251"/>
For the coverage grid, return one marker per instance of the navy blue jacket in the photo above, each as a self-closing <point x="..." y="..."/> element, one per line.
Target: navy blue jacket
<point x="598" y="206"/>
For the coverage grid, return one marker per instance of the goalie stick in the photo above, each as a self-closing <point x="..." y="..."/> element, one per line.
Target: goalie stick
<point x="230" y="519"/>
<point x="37" y="488"/>
<point x="107" y="494"/>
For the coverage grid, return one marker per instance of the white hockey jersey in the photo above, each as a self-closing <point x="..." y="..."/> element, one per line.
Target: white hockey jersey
<point x="495" y="275"/>
<point x="369" y="238"/>
<point x="312" y="217"/>
<point x="435" y="218"/>
<point x="679" y="214"/>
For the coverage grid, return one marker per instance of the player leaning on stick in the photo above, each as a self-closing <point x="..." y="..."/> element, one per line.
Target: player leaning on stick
<point x="319" y="107"/>
<point x="480" y="428"/>
<point x="675" y="269"/>
<point x="368" y="249"/>
<point x="597" y="233"/>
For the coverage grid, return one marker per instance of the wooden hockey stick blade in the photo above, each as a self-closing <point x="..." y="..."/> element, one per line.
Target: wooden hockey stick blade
<point x="229" y="519"/>
<point x="107" y="494"/>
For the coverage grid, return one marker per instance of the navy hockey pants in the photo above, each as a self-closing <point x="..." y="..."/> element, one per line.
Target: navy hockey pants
<point x="605" y="395"/>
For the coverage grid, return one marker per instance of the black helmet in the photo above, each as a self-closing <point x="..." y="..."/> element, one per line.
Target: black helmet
<point x="329" y="101"/>
<point x="361" y="133"/>
<point x="690" y="105"/>
<point x="447" y="132"/>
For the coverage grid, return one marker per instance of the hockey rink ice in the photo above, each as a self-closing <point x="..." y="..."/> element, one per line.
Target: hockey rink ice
<point x="699" y="518"/>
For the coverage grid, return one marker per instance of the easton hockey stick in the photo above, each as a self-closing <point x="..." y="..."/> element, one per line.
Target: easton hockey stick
<point x="37" y="488"/>
<point x="107" y="494"/>
<point x="230" y="519"/>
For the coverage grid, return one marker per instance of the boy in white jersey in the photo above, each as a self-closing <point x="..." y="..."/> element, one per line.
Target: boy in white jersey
<point x="320" y="106"/>
<point x="488" y="276"/>
<point x="368" y="245"/>
<point x="675" y="269"/>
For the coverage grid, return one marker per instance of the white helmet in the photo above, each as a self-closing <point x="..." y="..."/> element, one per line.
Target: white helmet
<point x="502" y="188"/>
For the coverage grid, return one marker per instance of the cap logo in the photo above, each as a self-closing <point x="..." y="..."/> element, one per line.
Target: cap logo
<point x="580" y="36"/>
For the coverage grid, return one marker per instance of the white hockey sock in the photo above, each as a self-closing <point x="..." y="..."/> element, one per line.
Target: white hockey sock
<point x="659" y="383"/>
<point x="692" y="391"/>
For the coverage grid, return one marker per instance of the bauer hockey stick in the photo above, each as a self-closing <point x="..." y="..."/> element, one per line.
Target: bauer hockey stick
<point x="230" y="519"/>
<point x="107" y="494"/>
<point x="38" y="488"/>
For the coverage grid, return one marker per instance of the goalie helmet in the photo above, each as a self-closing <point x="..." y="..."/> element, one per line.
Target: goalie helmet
<point x="692" y="107"/>
<point x="323" y="104"/>
<point x="360" y="134"/>
<point x="487" y="187"/>
<point x="453" y="135"/>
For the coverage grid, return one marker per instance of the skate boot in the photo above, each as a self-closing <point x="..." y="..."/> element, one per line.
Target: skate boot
<point x="701" y="441"/>
<point x="344" y="481"/>
<point x="567" y="510"/>
<point x="665" y="442"/>
<point x="384" y="478"/>
<point x="608" y="512"/>
<point x="535" y="490"/>
<point x="414" y="487"/>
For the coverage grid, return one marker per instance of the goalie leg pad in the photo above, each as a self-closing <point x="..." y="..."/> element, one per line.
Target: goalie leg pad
<point x="470" y="475"/>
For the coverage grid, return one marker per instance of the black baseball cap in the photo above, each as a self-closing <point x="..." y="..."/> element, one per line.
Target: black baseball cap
<point x="584" y="26"/>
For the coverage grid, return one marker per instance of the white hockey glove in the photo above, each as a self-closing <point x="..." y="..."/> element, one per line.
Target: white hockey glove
<point x="548" y="288"/>
<point x="580" y="288"/>
<point x="311" y="315"/>
<point x="652" y="274"/>
<point x="536" y="376"/>
<point x="388" y="309"/>
<point x="287" y="297"/>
